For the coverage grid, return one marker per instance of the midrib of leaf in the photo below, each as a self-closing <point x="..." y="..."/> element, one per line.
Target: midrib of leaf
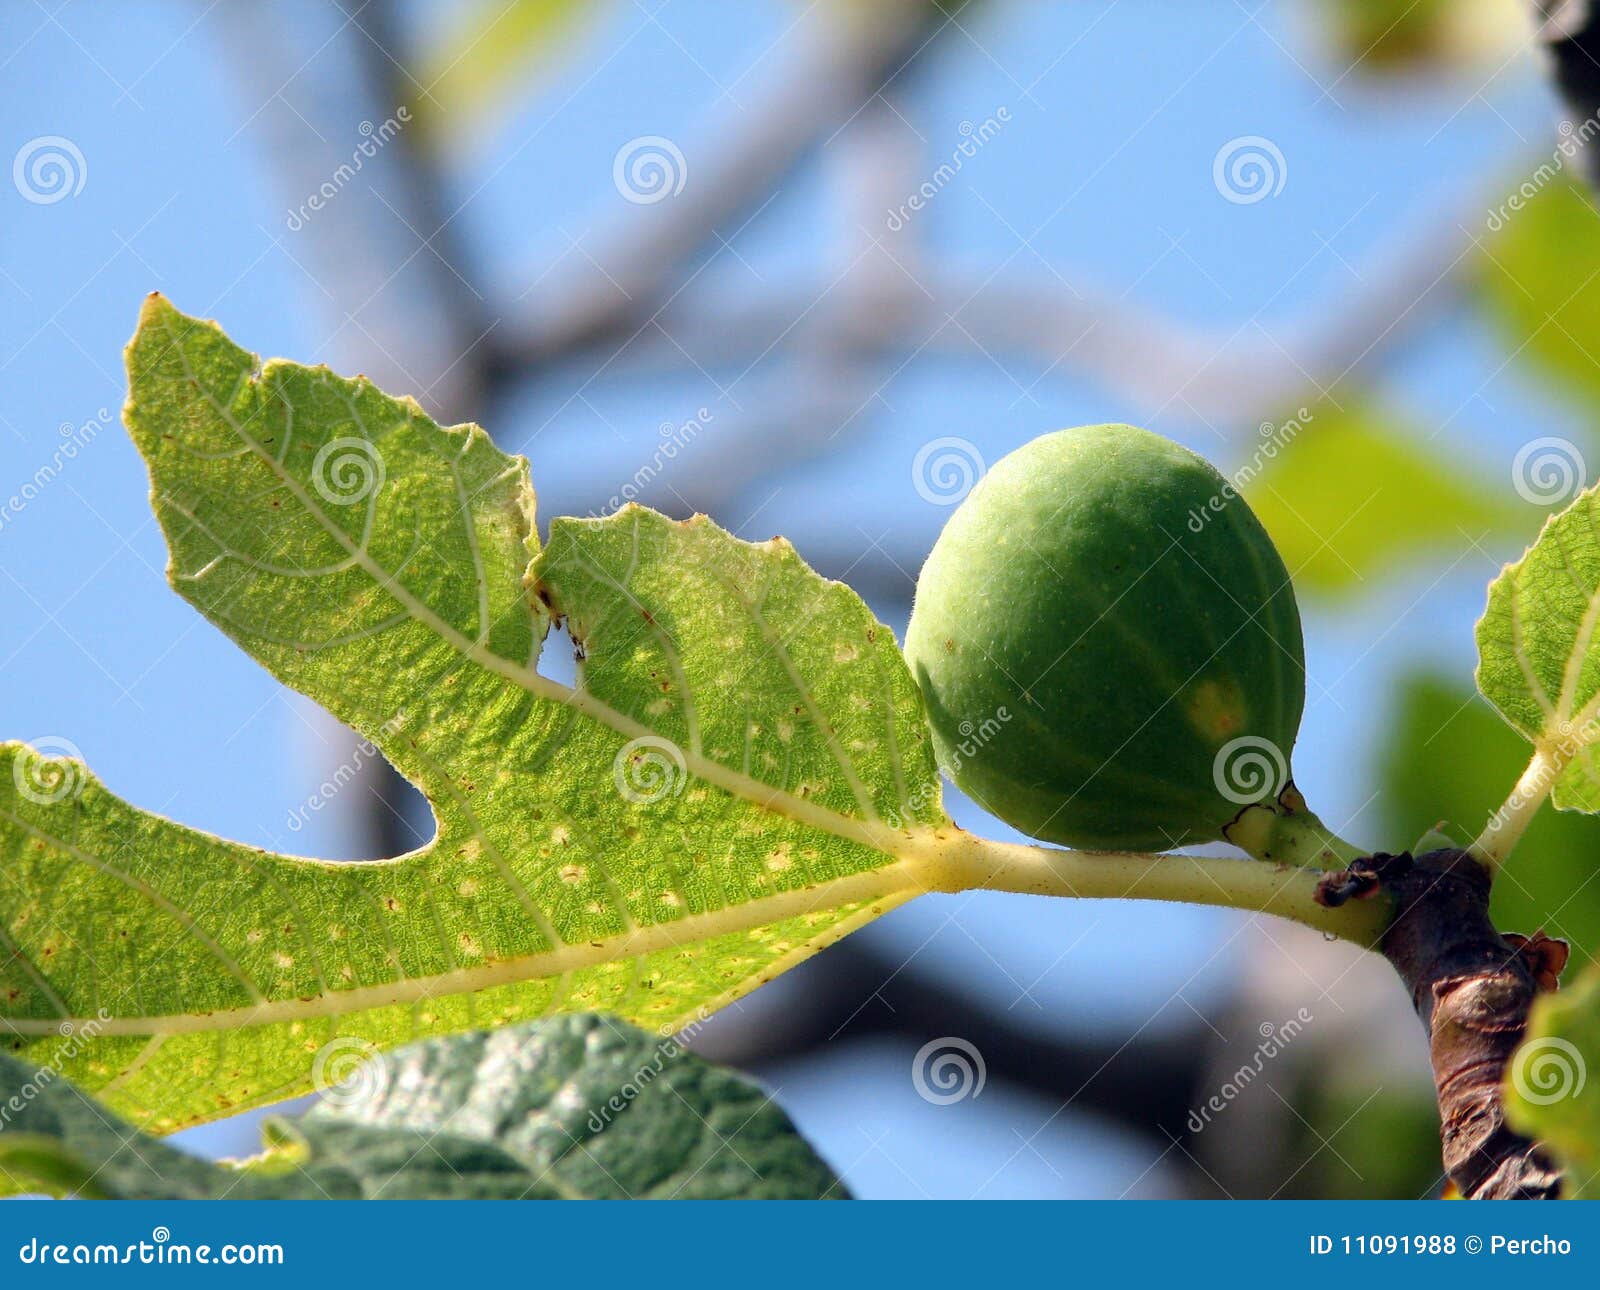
<point x="881" y="888"/>
<point x="1591" y="612"/>
<point x="1519" y="648"/>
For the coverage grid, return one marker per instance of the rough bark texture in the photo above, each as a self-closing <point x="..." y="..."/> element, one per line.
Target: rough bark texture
<point x="1472" y="987"/>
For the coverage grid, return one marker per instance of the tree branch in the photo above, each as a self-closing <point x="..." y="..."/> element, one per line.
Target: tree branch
<point x="843" y="67"/>
<point x="826" y="384"/>
<point x="1144" y="361"/>
<point x="1472" y="988"/>
<point x="967" y="862"/>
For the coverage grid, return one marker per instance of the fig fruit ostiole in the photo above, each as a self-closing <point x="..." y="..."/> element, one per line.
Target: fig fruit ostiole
<point x="1110" y="651"/>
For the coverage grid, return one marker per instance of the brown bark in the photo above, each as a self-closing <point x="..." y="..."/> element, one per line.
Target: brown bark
<point x="1472" y="988"/>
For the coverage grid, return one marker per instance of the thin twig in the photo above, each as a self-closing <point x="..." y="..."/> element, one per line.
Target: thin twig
<point x="1151" y="364"/>
<point x="841" y="69"/>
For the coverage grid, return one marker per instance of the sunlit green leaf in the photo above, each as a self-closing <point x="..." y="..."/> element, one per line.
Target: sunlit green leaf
<point x="728" y="788"/>
<point x="1537" y="661"/>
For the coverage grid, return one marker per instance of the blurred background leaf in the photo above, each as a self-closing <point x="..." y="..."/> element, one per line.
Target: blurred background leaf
<point x="1449" y="758"/>
<point x="1395" y="36"/>
<point x="1538" y="283"/>
<point x="1553" y="1094"/>
<point x="1357" y="494"/>
<point x="489" y="55"/>
<point x="1377" y="1140"/>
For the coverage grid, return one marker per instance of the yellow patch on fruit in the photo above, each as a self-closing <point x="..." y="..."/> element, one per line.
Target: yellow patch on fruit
<point x="1216" y="709"/>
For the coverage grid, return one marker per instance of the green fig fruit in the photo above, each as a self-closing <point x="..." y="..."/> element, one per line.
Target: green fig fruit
<point x="1109" y="646"/>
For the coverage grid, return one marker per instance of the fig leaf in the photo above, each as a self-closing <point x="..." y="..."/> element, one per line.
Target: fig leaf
<point x="727" y="789"/>
<point x="1537" y="658"/>
<point x="579" y="1106"/>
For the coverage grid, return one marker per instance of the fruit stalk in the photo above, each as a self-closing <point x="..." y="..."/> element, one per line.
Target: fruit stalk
<point x="1287" y="831"/>
<point x="1472" y="987"/>
<point x="1507" y="825"/>
<point x="966" y="862"/>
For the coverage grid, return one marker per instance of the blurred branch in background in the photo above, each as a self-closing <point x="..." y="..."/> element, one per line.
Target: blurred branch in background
<point x="1570" y="31"/>
<point x="383" y="256"/>
<point x="823" y="385"/>
<point x="840" y="69"/>
<point x="942" y="309"/>
<point x="854" y="993"/>
<point x="633" y="306"/>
